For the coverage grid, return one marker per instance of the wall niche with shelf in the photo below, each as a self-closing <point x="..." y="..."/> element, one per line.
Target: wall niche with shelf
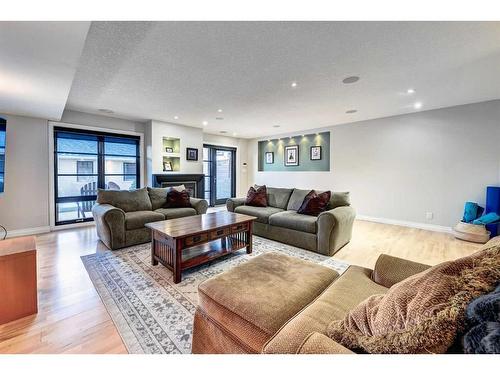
<point x="171" y="154"/>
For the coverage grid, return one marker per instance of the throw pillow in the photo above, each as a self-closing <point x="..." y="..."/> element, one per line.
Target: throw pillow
<point x="178" y="199"/>
<point x="423" y="313"/>
<point x="257" y="197"/>
<point x="315" y="203"/>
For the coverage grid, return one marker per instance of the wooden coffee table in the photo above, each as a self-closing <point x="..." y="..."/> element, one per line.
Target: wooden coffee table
<point x="186" y="242"/>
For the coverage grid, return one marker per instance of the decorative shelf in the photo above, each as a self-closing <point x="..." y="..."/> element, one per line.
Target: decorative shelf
<point x="171" y="160"/>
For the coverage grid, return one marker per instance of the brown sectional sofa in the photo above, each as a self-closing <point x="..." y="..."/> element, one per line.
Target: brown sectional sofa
<point x="278" y="304"/>
<point x="120" y="215"/>
<point x="279" y="221"/>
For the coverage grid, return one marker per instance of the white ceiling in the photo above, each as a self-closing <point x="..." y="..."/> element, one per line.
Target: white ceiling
<point x="38" y="62"/>
<point x="158" y="70"/>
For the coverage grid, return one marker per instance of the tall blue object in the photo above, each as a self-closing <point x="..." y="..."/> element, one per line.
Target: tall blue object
<point x="493" y="205"/>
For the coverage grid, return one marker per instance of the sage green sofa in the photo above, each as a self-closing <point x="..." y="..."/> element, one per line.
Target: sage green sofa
<point x="279" y="221"/>
<point x="120" y="215"/>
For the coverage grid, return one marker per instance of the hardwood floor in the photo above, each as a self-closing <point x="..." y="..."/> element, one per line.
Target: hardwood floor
<point x="72" y="318"/>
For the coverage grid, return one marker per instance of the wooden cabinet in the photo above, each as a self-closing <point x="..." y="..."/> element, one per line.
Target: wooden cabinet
<point x="18" y="282"/>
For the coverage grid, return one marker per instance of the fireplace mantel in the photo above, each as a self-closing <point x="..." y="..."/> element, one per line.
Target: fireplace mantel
<point x="172" y="179"/>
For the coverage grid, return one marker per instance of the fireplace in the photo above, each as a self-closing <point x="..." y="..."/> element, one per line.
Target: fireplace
<point x="194" y="183"/>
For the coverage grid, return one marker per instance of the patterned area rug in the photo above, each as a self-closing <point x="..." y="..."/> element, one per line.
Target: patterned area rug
<point x="151" y="313"/>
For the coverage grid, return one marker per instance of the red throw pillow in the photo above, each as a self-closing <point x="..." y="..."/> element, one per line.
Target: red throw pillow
<point x="314" y="203"/>
<point x="178" y="199"/>
<point x="257" y="198"/>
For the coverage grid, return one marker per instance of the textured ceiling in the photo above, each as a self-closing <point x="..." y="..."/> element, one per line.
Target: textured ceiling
<point x="38" y="62"/>
<point x="158" y="70"/>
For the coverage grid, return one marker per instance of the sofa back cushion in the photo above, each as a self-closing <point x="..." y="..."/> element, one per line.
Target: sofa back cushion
<point x="127" y="200"/>
<point x="278" y="197"/>
<point x="158" y="196"/>
<point x="297" y="198"/>
<point x="422" y="314"/>
<point x="339" y="199"/>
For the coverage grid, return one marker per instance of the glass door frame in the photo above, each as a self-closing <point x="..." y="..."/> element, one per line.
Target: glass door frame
<point x="212" y="188"/>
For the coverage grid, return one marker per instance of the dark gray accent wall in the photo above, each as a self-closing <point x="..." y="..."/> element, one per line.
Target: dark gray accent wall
<point x="305" y="142"/>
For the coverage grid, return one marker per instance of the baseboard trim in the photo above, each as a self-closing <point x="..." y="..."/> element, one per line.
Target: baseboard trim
<point x="27" y="231"/>
<point x="403" y="223"/>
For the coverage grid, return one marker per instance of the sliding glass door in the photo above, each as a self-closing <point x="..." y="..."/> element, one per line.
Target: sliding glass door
<point x="85" y="161"/>
<point x="219" y="167"/>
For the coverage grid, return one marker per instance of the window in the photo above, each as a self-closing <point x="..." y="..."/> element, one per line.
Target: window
<point x="86" y="161"/>
<point x="3" y="124"/>
<point x="129" y="171"/>
<point x="84" y="167"/>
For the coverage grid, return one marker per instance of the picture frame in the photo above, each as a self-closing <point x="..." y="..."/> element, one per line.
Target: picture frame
<point x="169" y="150"/>
<point x="167" y="166"/>
<point x="315" y="153"/>
<point x="191" y="154"/>
<point x="269" y="157"/>
<point x="291" y="156"/>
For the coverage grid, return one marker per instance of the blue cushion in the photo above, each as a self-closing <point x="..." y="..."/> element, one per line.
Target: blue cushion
<point x="487" y="219"/>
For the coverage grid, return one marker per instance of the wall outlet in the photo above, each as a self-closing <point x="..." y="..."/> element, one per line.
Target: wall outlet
<point x="429" y="215"/>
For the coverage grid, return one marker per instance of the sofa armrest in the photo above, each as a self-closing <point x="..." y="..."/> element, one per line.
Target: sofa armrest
<point x="335" y="229"/>
<point x="200" y="205"/>
<point x="110" y="225"/>
<point x="390" y="270"/>
<point x="317" y="343"/>
<point x="232" y="203"/>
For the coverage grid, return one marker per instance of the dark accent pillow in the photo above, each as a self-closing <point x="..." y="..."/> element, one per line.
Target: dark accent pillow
<point x="257" y="197"/>
<point x="314" y="203"/>
<point x="178" y="199"/>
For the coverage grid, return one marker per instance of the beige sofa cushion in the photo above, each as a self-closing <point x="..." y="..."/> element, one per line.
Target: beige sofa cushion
<point x="137" y="219"/>
<point x="278" y="197"/>
<point x="261" y="213"/>
<point x="253" y="300"/>
<point x="423" y="313"/>
<point x="346" y="292"/>
<point x="295" y="221"/>
<point x="297" y="198"/>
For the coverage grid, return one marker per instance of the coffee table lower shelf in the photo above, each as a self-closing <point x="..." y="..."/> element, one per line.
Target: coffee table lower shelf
<point x="175" y="255"/>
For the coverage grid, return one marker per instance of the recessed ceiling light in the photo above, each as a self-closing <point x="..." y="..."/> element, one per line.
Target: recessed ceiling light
<point x="351" y="79"/>
<point x="104" y="110"/>
<point x="351" y="111"/>
<point x="219" y="110"/>
<point x="205" y="123"/>
<point x="276" y="126"/>
<point x="223" y="132"/>
<point x="294" y="84"/>
<point x="176" y="117"/>
<point x="417" y="105"/>
<point x="410" y="91"/>
<point x="235" y="134"/>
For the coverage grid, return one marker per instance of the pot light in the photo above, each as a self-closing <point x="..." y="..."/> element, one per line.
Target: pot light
<point x="235" y="134"/>
<point x="350" y="79"/>
<point x="176" y="117"/>
<point x="219" y="110"/>
<point x="410" y="91"/>
<point x="205" y="123"/>
<point x="417" y="105"/>
<point x="294" y="84"/>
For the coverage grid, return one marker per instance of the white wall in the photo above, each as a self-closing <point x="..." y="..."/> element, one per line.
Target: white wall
<point x="401" y="167"/>
<point x="241" y="146"/>
<point x="25" y="202"/>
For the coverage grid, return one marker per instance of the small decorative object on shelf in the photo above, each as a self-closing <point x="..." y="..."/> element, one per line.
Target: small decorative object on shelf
<point x="315" y="152"/>
<point x="167" y="166"/>
<point x="191" y="154"/>
<point x="169" y="150"/>
<point x="291" y="156"/>
<point x="3" y="233"/>
<point x="269" y="157"/>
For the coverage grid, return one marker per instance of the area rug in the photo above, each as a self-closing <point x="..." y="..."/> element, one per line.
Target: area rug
<point x="151" y="313"/>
